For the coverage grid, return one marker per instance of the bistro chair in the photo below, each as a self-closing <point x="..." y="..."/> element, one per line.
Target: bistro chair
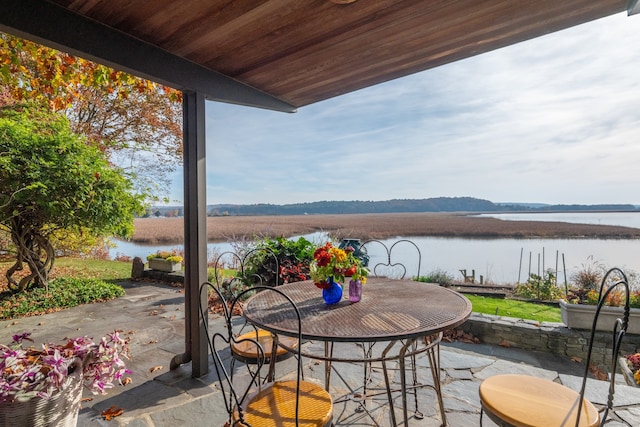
<point x="394" y="263"/>
<point x="527" y="401"/>
<point x="283" y="403"/>
<point x="245" y="277"/>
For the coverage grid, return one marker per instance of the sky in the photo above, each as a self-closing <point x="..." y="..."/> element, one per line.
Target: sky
<point x="552" y="120"/>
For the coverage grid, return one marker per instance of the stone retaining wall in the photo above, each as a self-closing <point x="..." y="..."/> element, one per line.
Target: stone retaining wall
<point x="546" y="336"/>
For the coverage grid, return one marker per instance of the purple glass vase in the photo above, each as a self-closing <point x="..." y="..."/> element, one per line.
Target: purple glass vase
<point x="355" y="290"/>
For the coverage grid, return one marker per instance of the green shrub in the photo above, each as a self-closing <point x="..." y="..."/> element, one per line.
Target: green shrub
<point x="437" y="276"/>
<point x="62" y="293"/>
<point x="541" y="288"/>
<point x="293" y="258"/>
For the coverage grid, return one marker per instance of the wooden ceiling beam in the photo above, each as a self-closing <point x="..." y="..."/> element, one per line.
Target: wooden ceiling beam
<point x="57" y="27"/>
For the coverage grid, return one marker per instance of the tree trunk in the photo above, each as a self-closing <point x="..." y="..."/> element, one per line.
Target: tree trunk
<point x="37" y="252"/>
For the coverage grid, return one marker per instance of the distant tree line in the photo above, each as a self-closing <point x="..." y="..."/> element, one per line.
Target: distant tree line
<point x="437" y="204"/>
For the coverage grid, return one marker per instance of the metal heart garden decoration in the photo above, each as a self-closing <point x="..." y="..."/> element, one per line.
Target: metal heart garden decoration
<point x="393" y="271"/>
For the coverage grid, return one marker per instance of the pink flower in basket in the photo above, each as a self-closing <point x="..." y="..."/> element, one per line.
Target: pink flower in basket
<point x="28" y="372"/>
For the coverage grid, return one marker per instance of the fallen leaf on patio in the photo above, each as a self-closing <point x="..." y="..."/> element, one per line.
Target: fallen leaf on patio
<point x="172" y="317"/>
<point x="598" y="373"/>
<point x="131" y="332"/>
<point x="576" y="359"/>
<point x="153" y="313"/>
<point x="41" y="323"/>
<point x="127" y="380"/>
<point x="155" y="368"/>
<point x="111" y="413"/>
<point x="505" y="344"/>
<point x="86" y="399"/>
<point x="153" y="342"/>
<point x="14" y="323"/>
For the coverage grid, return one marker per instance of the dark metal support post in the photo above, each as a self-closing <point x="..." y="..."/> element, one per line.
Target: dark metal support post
<point x="195" y="231"/>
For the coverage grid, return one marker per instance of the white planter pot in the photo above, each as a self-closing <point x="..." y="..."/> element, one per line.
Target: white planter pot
<point x="580" y="316"/>
<point x="164" y="265"/>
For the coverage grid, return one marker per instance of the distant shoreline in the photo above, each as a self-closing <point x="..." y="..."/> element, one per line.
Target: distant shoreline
<point x="373" y="226"/>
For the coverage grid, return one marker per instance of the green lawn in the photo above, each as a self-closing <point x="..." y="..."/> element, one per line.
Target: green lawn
<point x="514" y="308"/>
<point x="92" y="268"/>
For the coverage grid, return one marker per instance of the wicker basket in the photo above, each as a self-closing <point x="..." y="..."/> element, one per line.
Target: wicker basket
<point x="59" y="411"/>
<point x="626" y="372"/>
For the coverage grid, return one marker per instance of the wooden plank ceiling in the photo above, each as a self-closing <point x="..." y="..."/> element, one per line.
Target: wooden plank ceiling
<point x="305" y="51"/>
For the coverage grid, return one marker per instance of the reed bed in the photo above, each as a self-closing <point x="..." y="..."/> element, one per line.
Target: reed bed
<point x="372" y="226"/>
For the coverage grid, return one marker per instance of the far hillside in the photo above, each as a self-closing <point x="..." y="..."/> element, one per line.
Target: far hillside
<point x="437" y="204"/>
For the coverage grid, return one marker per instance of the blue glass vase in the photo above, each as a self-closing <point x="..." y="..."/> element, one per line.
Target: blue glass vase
<point x="333" y="294"/>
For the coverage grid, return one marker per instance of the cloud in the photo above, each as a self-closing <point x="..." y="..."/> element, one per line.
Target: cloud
<point x="554" y="119"/>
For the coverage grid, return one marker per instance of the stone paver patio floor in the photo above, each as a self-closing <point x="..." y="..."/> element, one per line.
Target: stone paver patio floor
<point x="152" y="314"/>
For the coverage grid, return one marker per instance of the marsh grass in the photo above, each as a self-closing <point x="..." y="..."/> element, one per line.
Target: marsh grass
<point x="371" y="226"/>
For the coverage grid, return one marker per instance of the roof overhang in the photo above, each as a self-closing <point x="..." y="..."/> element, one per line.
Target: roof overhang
<point x="286" y="54"/>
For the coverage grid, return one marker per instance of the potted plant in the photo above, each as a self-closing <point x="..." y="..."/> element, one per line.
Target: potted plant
<point x="167" y="261"/>
<point x="578" y="309"/>
<point x="43" y="386"/>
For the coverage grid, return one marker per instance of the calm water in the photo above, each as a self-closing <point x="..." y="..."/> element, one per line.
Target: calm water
<point x="509" y="260"/>
<point x="137" y="250"/>
<point x="626" y="219"/>
<point x="497" y="260"/>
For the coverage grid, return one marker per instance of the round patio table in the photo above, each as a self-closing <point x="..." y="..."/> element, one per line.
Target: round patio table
<point x="390" y="310"/>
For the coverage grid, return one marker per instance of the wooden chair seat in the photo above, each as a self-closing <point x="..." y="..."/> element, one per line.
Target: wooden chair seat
<point x="526" y="401"/>
<point x="275" y="406"/>
<point x="246" y="350"/>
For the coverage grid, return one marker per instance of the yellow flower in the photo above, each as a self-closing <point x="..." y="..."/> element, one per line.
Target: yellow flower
<point x="636" y="377"/>
<point x="339" y="254"/>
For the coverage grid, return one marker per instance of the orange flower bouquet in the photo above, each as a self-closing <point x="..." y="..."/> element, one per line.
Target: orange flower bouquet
<point x="330" y="261"/>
